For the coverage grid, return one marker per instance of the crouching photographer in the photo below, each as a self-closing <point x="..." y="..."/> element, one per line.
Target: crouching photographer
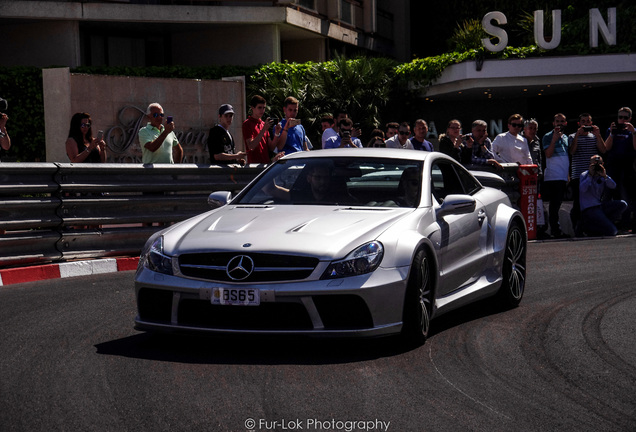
<point x="5" y="140"/>
<point x="597" y="213"/>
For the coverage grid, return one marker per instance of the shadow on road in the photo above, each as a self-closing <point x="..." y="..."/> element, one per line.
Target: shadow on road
<point x="275" y="350"/>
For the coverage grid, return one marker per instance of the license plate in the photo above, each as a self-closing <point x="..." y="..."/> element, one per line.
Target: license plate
<point x="236" y="296"/>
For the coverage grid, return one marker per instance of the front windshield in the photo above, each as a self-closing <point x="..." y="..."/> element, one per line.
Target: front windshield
<point x="376" y="182"/>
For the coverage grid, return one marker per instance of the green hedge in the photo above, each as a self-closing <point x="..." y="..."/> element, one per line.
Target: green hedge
<point x="374" y="90"/>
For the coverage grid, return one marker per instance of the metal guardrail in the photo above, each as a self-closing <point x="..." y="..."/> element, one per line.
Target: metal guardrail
<point x="57" y="212"/>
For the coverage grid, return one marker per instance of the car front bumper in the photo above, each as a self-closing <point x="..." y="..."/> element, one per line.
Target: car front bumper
<point x="360" y="306"/>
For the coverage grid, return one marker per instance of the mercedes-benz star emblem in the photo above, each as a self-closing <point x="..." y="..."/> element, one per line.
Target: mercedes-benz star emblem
<point x="240" y="267"/>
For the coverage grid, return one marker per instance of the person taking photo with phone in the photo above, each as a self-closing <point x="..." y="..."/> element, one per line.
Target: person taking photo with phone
<point x="159" y="144"/>
<point x="259" y="143"/>
<point x="584" y="143"/>
<point x="620" y="143"/>
<point x="5" y="140"/>
<point x="81" y="146"/>
<point x="291" y="138"/>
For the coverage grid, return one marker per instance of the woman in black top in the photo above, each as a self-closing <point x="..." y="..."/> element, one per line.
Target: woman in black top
<point x="80" y="145"/>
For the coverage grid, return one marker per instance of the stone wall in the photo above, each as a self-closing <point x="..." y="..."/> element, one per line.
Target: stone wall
<point x="117" y="106"/>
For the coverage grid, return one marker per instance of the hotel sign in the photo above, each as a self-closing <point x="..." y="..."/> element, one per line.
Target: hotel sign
<point x="607" y="29"/>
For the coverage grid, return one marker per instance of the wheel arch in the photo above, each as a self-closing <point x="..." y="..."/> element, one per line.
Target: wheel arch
<point x="506" y="217"/>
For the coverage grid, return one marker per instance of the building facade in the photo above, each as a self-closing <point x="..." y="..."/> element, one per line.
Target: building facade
<point x="198" y="33"/>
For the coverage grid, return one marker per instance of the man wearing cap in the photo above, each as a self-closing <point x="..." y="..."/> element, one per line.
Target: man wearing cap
<point x="220" y="141"/>
<point x="158" y="143"/>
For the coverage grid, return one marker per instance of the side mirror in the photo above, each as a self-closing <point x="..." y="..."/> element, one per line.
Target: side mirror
<point x="219" y="198"/>
<point x="456" y="205"/>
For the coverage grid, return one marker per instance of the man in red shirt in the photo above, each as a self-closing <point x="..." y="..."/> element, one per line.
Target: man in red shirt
<point x="258" y="140"/>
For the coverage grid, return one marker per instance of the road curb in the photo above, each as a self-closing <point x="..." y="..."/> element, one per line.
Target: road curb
<point x="66" y="269"/>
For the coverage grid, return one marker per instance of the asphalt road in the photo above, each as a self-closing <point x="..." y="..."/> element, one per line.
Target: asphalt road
<point x="564" y="360"/>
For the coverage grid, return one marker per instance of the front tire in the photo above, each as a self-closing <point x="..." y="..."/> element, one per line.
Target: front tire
<point x="418" y="301"/>
<point x="514" y="268"/>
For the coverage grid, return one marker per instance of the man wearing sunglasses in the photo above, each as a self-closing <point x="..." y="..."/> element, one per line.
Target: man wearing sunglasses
<point x="511" y="146"/>
<point x="401" y="139"/>
<point x="158" y="143"/>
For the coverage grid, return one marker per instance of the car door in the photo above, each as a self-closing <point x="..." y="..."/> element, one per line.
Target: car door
<point x="462" y="236"/>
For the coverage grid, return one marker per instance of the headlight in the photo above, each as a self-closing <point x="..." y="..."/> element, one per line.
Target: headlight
<point x="156" y="260"/>
<point x="364" y="259"/>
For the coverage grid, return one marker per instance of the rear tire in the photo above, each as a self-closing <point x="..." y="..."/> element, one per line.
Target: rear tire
<point x="418" y="305"/>
<point x="514" y="268"/>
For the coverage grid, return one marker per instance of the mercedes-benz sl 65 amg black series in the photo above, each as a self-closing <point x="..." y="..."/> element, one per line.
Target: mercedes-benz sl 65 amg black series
<point x="343" y="242"/>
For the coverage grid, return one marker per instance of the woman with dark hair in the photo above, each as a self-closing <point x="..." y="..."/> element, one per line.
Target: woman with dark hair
<point x="80" y="145"/>
<point x="452" y="143"/>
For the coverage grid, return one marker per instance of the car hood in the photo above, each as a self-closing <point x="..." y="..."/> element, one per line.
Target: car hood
<point x="320" y="231"/>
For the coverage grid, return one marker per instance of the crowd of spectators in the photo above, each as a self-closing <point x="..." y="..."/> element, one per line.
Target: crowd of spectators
<point x="597" y="166"/>
<point x="603" y="199"/>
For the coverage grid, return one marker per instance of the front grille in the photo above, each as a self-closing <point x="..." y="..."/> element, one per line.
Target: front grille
<point x="266" y="316"/>
<point x="337" y="312"/>
<point x="267" y="267"/>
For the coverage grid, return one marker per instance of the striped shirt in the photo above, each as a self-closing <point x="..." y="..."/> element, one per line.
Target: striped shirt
<point x="585" y="149"/>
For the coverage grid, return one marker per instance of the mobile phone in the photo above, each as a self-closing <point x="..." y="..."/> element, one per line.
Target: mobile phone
<point x="100" y="135"/>
<point x="274" y="120"/>
<point x="295" y="122"/>
<point x="588" y="128"/>
<point x="169" y="119"/>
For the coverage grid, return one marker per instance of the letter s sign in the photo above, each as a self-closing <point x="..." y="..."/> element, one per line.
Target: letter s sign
<point x="495" y="31"/>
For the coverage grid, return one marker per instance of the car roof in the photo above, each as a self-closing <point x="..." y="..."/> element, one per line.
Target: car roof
<point x="389" y="153"/>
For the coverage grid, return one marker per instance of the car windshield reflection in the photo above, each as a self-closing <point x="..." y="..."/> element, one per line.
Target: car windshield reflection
<point x="372" y="182"/>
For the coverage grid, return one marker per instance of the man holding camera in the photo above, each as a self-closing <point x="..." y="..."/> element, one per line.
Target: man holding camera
<point x="620" y="142"/>
<point x="292" y="137"/>
<point x="159" y="144"/>
<point x="597" y="213"/>
<point x="585" y="143"/>
<point x="259" y="143"/>
<point x="221" y="142"/>
<point x="555" y="178"/>
<point x="343" y="139"/>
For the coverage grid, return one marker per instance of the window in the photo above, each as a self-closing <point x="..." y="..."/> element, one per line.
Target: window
<point x="346" y="13"/>
<point x="448" y="179"/>
<point x="307" y="4"/>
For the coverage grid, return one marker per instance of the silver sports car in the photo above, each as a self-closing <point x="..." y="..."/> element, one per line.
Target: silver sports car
<point x="343" y="242"/>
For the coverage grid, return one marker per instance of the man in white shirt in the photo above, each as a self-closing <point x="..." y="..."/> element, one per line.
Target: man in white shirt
<point x="401" y="139"/>
<point x="512" y="147"/>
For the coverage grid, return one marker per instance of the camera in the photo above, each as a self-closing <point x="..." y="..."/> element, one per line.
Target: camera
<point x="588" y="128"/>
<point x="618" y="127"/>
<point x="598" y="164"/>
<point x="346" y="134"/>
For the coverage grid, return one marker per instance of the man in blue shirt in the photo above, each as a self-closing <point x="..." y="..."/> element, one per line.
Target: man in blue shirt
<point x="292" y="136"/>
<point x="598" y="214"/>
<point x="343" y="139"/>
<point x="418" y="140"/>
<point x="555" y="178"/>
<point x="621" y="155"/>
